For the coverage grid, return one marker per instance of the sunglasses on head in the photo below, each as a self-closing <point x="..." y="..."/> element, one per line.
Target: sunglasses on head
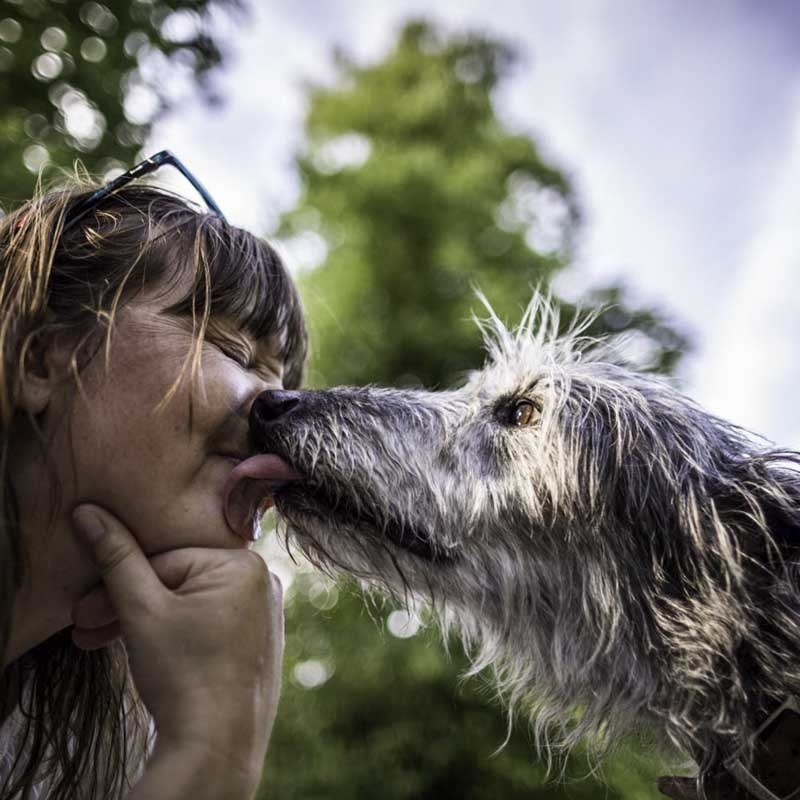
<point x="161" y="159"/>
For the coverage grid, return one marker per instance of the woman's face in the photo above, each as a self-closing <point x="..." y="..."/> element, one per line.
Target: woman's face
<point x="161" y="473"/>
<point x="161" y="476"/>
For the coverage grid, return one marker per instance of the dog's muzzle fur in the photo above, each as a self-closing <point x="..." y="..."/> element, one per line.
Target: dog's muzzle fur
<point x="616" y="554"/>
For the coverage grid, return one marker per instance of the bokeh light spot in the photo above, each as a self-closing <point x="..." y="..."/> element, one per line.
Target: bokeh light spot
<point x="57" y="92"/>
<point x="141" y="104"/>
<point x="402" y="624"/>
<point x="134" y="42"/>
<point x="311" y="674"/>
<point x="182" y="26"/>
<point x="323" y="595"/>
<point x="99" y="18"/>
<point x="35" y="157"/>
<point x="93" y="49"/>
<point x="10" y="30"/>
<point x="53" y="39"/>
<point x="47" y="67"/>
<point x="82" y="119"/>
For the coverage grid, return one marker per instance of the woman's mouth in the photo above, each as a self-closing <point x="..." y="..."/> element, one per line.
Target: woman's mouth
<point x="250" y="491"/>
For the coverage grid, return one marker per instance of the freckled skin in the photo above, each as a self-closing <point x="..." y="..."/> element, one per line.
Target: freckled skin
<point x="159" y="477"/>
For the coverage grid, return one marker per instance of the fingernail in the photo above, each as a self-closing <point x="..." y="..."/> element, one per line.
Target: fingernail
<point x="88" y="524"/>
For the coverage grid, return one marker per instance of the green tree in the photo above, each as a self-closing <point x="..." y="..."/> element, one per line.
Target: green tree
<point x="418" y="192"/>
<point x="87" y="79"/>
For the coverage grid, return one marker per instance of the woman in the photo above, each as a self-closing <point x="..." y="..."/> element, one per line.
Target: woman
<point x="135" y="333"/>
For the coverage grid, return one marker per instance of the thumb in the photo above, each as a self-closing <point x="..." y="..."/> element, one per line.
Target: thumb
<point x="128" y="576"/>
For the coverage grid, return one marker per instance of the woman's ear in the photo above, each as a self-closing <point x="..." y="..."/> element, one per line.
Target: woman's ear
<point x="45" y="368"/>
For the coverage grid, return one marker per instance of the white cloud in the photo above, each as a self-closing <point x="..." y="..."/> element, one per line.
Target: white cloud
<point x="750" y="367"/>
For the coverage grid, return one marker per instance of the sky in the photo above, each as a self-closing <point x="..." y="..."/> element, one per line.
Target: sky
<point x="677" y="121"/>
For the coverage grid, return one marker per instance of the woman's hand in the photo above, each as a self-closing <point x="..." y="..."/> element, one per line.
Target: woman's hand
<point x="204" y="635"/>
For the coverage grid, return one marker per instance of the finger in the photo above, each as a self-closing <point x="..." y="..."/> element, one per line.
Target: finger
<point x="173" y="567"/>
<point x="129" y="578"/>
<point x="94" y="610"/>
<point x="96" y="638"/>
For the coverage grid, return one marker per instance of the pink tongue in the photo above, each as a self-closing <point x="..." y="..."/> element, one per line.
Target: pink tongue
<point x="249" y="490"/>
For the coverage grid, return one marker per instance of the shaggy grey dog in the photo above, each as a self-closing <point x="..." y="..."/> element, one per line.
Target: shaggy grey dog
<point x="616" y="554"/>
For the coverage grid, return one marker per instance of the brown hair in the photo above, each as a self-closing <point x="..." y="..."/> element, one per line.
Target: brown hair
<point x="84" y="727"/>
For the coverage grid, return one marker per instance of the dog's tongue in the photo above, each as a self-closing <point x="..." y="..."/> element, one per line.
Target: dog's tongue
<point x="249" y="492"/>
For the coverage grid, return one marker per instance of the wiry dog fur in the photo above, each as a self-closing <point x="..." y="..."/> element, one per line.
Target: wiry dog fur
<point x="625" y="557"/>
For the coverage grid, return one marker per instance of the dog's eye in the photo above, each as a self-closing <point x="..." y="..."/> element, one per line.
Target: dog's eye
<point x="524" y="413"/>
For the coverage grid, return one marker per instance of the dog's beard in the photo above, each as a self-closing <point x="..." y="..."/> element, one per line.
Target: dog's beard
<point x="318" y="504"/>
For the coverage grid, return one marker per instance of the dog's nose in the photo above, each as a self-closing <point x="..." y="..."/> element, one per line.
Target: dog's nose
<point x="273" y="404"/>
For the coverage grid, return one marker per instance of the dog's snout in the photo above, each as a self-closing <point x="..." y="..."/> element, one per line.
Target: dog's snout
<point x="271" y="405"/>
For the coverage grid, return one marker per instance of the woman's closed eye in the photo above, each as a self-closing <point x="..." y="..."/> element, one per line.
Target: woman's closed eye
<point x="242" y="356"/>
<point x="260" y="357"/>
<point x="270" y="370"/>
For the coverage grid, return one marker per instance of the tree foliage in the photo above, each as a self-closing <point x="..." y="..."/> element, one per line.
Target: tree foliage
<point x="86" y="80"/>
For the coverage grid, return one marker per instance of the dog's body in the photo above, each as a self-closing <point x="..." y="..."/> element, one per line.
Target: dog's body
<point x="614" y="552"/>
